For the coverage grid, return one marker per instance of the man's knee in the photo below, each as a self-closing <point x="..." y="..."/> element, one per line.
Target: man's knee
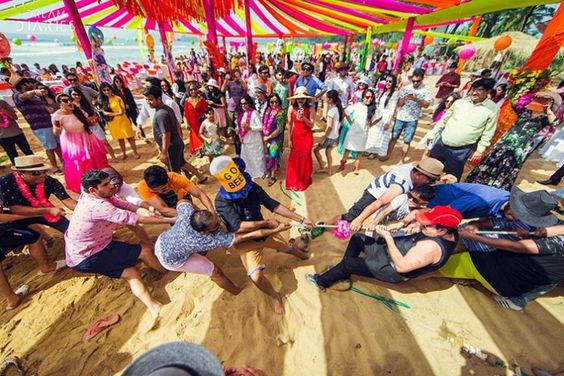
<point x="131" y="273"/>
<point x="256" y="274"/>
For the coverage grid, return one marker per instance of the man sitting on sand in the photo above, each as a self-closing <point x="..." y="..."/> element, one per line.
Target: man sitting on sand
<point x="26" y="192"/>
<point x="197" y="231"/>
<point x="517" y="272"/>
<point x="15" y="234"/>
<point x="164" y="190"/>
<point x="239" y="204"/>
<point x="400" y="258"/>
<point x="89" y="244"/>
<point x="385" y="188"/>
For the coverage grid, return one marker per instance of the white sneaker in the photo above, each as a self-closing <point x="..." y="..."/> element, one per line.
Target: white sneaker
<point x="507" y="303"/>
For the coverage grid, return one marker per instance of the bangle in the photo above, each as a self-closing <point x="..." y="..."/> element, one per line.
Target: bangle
<point x="302" y="221"/>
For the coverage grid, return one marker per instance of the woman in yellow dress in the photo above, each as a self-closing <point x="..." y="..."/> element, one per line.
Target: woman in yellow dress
<point x="119" y="125"/>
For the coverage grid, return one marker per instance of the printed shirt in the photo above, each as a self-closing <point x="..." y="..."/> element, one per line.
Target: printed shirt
<point x="34" y="112"/>
<point x="400" y="175"/>
<point x="176" y="245"/>
<point x="10" y="195"/>
<point x="411" y="111"/>
<point x="498" y="223"/>
<point x="92" y="224"/>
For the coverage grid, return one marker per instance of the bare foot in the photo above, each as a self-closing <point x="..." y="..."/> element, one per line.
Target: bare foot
<point x="155" y="309"/>
<point x="115" y="160"/>
<point x="17" y="299"/>
<point x="123" y="157"/>
<point x="136" y="156"/>
<point x="322" y="171"/>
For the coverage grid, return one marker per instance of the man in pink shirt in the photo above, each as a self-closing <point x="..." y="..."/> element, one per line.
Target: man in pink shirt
<point x="89" y="244"/>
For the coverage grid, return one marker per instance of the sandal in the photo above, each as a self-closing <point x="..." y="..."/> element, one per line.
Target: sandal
<point x="23" y="290"/>
<point x="100" y="325"/>
<point x="59" y="264"/>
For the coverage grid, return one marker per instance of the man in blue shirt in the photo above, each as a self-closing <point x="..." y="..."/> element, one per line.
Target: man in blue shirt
<point x="312" y="84"/>
<point x="472" y="200"/>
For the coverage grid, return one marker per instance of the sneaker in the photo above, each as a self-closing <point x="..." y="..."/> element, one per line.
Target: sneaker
<point x="547" y="182"/>
<point x="312" y="278"/>
<point x="507" y="303"/>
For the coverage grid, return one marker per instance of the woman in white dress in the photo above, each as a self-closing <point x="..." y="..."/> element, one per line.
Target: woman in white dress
<point x="361" y="116"/>
<point x="379" y="134"/>
<point x="249" y="128"/>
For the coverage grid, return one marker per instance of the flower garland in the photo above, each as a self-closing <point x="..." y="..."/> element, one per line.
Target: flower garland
<point x="523" y="83"/>
<point x="244" y="117"/>
<point x="39" y="202"/>
<point x="269" y="117"/>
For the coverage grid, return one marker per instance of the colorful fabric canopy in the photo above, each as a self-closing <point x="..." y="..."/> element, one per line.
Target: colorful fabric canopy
<point x="270" y="18"/>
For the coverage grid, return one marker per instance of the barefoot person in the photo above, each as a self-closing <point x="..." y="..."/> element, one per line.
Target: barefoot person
<point x="89" y="244"/>
<point x="239" y="204"/>
<point x="198" y="231"/>
<point x="14" y="233"/>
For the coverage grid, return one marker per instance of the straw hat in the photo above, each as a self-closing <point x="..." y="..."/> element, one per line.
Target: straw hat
<point x="431" y="167"/>
<point x="221" y="70"/>
<point x="556" y="99"/>
<point x="212" y="82"/>
<point x="29" y="163"/>
<point x="301" y="93"/>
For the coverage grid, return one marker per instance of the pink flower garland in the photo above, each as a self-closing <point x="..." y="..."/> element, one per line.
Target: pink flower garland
<point x="342" y="231"/>
<point x="39" y="202"/>
<point x="4" y="120"/>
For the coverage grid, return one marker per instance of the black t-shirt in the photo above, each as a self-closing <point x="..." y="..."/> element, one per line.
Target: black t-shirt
<point x="165" y="121"/>
<point x="10" y="194"/>
<point x="234" y="212"/>
<point x="513" y="274"/>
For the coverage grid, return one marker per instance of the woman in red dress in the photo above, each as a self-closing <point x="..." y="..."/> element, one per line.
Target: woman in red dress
<point x="300" y="161"/>
<point x="194" y="109"/>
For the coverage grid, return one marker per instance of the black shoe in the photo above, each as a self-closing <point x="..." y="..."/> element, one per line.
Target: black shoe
<point x="548" y="182"/>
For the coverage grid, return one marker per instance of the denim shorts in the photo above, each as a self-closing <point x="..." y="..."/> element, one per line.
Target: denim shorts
<point x="400" y="126"/>
<point x="47" y="138"/>
<point x="329" y="143"/>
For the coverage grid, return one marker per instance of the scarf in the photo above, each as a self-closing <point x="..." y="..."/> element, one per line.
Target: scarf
<point x="244" y="117"/>
<point x="269" y="117"/>
<point x="39" y="202"/>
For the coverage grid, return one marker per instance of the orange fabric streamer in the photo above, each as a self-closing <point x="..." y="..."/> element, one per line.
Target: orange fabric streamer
<point x="507" y="117"/>
<point x="550" y="43"/>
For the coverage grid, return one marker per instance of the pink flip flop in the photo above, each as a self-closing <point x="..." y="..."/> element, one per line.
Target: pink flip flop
<point x="100" y="325"/>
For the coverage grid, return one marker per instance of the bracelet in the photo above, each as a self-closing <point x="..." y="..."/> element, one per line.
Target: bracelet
<point x="302" y="221"/>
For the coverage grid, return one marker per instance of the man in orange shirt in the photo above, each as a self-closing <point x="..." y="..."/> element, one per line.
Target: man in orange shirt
<point x="164" y="189"/>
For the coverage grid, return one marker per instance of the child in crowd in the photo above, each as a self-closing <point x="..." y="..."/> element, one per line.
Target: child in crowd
<point x="400" y="207"/>
<point x="213" y="142"/>
<point x="335" y="116"/>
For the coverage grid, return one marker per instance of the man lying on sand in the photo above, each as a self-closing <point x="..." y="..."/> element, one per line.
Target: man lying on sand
<point x="199" y="231"/>
<point x="517" y="272"/>
<point x="89" y="247"/>
<point x="400" y="258"/>
<point x="164" y="190"/>
<point x="239" y="204"/>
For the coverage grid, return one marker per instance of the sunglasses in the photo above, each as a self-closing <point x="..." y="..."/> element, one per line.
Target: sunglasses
<point x="416" y="81"/>
<point x="449" y="101"/>
<point x="73" y="79"/>
<point x="415" y="199"/>
<point x="368" y="96"/>
<point x="264" y="72"/>
<point x="243" y="103"/>
<point x="273" y="102"/>
<point x="390" y="81"/>
<point x="307" y="69"/>
<point x="65" y="100"/>
<point x="38" y="173"/>
<point x="75" y="95"/>
<point x="193" y="89"/>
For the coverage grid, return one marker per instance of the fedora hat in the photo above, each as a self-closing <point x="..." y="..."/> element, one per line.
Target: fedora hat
<point x="533" y="208"/>
<point x="261" y="89"/>
<point x="212" y="82"/>
<point x="29" y="163"/>
<point x="301" y="93"/>
<point x="431" y="167"/>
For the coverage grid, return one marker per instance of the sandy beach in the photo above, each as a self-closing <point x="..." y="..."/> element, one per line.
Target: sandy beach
<point x="322" y="333"/>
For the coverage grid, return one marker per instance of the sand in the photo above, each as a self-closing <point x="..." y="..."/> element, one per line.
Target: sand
<point x="322" y="333"/>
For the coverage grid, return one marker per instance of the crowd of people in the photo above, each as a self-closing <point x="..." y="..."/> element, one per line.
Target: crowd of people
<point x="413" y="214"/>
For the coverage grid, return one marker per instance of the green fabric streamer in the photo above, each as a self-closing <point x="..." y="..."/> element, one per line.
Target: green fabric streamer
<point x="287" y="195"/>
<point x="391" y="304"/>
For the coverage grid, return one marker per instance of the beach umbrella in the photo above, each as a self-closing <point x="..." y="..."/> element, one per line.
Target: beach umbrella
<point x="17" y="41"/>
<point x="5" y="47"/>
<point x="31" y="38"/>
<point x="503" y="43"/>
<point x="467" y="52"/>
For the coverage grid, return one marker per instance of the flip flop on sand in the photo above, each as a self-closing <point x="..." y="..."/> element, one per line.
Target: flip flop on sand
<point x="59" y="264"/>
<point x="100" y="325"/>
<point x="14" y="362"/>
<point x="23" y="290"/>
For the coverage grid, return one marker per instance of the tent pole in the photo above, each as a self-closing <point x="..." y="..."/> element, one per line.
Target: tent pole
<point x="166" y="50"/>
<point x="345" y="43"/>
<point x="404" y="43"/>
<point x="81" y="34"/>
<point x="248" y="31"/>
<point x="223" y="42"/>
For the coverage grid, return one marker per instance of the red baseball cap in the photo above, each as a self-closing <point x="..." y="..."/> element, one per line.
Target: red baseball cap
<point x="440" y="215"/>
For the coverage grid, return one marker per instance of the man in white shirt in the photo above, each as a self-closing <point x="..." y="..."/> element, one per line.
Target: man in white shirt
<point x="147" y="112"/>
